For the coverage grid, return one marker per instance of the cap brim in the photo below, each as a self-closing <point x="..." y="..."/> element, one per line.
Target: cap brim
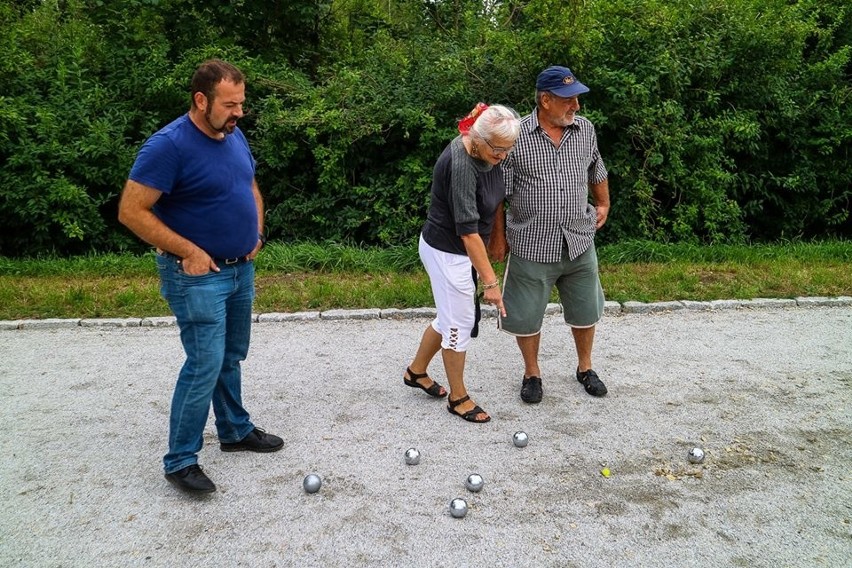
<point x="572" y="90"/>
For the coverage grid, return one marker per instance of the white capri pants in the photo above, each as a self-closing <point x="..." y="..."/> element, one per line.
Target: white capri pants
<point x="454" y="291"/>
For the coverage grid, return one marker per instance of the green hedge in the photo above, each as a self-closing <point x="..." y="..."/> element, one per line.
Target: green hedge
<point x="721" y="121"/>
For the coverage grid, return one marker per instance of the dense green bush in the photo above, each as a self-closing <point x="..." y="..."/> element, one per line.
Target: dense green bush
<point x="720" y="121"/>
<point x="73" y="105"/>
<point x="725" y="120"/>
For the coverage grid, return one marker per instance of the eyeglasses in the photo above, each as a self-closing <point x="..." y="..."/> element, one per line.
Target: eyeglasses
<point x="499" y="149"/>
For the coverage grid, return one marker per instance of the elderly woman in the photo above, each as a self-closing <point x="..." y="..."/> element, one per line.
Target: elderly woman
<point x="467" y="189"/>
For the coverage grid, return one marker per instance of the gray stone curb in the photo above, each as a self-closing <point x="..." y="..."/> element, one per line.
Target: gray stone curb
<point x="295" y="316"/>
<point x="824" y="301"/>
<point x="554" y="309"/>
<point x="643" y="308"/>
<point x="697" y="306"/>
<point x="759" y="303"/>
<point x="159" y="321"/>
<point x="409" y="313"/>
<point x="610" y="309"/>
<point x="49" y="323"/>
<point x="725" y="304"/>
<point x="111" y="322"/>
<point x="351" y="314"/>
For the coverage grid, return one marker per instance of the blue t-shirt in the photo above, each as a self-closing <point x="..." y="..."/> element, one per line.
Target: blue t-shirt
<point x="206" y="184"/>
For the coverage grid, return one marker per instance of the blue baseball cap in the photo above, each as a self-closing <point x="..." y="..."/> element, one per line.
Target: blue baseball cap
<point x="560" y="81"/>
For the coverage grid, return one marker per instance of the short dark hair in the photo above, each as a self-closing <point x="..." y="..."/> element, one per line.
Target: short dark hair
<point x="211" y="73"/>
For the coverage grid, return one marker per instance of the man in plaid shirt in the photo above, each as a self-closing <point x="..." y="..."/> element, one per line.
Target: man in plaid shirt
<point x="550" y="226"/>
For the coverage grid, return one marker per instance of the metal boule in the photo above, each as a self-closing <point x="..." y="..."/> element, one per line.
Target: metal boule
<point x="458" y="508"/>
<point x="312" y="483"/>
<point x="474" y="482"/>
<point x="412" y="456"/>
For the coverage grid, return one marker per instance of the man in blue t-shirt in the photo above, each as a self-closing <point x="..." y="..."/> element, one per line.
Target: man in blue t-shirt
<point x="192" y="194"/>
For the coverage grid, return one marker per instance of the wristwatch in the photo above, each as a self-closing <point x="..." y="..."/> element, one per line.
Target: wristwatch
<point x="262" y="238"/>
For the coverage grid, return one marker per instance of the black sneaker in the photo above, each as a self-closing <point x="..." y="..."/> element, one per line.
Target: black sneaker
<point x="531" y="390"/>
<point x="191" y="479"/>
<point x="591" y="382"/>
<point x="256" y="441"/>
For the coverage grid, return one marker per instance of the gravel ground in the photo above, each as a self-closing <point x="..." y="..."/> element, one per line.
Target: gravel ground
<point x="765" y="392"/>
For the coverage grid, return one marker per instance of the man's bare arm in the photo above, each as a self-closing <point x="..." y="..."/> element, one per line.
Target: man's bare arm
<point x="600" y="194"/>
<point x="134" y="211"/>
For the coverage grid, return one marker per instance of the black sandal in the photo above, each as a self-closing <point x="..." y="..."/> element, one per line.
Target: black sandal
<point x="434" y="390"/>
<point x="470" y="415"/>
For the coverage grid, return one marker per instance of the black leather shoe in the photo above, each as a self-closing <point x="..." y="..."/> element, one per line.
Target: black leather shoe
<point x="191" y="479"/>
<point x="591" y="382"/>
<point x="531" y="390"/>
<point x="256" y="441"/>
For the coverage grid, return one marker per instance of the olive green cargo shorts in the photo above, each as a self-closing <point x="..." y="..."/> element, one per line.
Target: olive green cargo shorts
<point x="527" y="286"/>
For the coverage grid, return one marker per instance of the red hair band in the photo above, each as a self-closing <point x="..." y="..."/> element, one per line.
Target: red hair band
<point x="467" y="122"/>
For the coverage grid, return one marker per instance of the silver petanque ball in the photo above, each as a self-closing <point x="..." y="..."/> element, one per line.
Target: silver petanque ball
<point x="458" y="508"/>
<point x="695" y="455"/>
<point x="474" y="482"/>
<point x="312" y="483"/>
<point x="520" y="439"/>
<point x="412" y="456"/>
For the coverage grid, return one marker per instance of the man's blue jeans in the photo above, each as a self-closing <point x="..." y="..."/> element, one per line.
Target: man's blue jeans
<point x="213" y="313"/>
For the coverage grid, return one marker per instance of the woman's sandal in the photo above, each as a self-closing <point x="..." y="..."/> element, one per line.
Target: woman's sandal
<point x="434" y="390"/>
<point x="470" y="415"/>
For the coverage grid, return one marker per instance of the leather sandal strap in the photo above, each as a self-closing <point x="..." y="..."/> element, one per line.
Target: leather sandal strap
<point x="455" y="403"/>
<point x="473" y="412"/>
<point x="414" y="375"/>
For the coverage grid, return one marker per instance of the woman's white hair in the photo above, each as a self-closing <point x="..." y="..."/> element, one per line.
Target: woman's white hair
<point x="497" y="121"/>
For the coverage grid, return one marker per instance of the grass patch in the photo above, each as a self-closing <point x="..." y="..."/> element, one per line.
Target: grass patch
<point x="336" y="257"/>
<point x="704" y="281"/>
<point x="313" y="276"/>
<point x="631" y="252"/>
<point x="82" y="296"/>
<point x="324" y="291"/>
<point x="89" y="266"/>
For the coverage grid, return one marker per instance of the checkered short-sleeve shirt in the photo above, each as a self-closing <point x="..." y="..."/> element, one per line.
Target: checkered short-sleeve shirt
<point x="547" y="188"/>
